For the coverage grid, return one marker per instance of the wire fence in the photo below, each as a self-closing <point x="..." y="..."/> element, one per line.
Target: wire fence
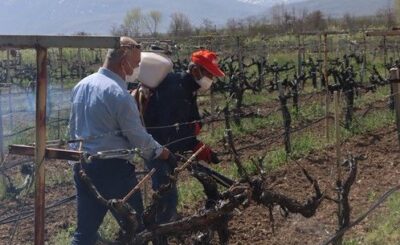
<point x="67" y="66"/>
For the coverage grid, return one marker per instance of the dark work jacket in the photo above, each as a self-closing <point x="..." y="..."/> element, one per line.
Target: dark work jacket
<point x="173" y="101"/>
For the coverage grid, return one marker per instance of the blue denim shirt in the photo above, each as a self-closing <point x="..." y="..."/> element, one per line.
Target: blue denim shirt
<point x="106" y="115"/>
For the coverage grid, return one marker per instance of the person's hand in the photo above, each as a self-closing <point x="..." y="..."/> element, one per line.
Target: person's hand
<point x="197" y="128"/>
<point x="172" y="161"/>
<point x="164" y="154"/>
<point x="134" y="93"/>
<point x="206" y="154"/>
<point x="214" y="158"/>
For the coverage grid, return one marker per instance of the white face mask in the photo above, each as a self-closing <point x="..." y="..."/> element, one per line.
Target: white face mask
<point x="205" y="83"/>
<point x="134" y="76"/>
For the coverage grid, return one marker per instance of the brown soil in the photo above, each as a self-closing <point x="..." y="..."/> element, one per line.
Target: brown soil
<point x="376" y="174"/>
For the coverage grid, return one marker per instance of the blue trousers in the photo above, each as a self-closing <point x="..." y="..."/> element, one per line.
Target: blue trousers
<point x="169" y="202"/>
<point x="113" y="178"/>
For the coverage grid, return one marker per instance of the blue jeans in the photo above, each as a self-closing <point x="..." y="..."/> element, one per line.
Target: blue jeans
<point x="169" y="202"/>
<point x="113" y="178"/>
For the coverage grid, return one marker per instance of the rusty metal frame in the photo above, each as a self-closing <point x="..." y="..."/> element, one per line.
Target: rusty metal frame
<point x="41" y="44"/>
<point x="51" y="153"/>
<point x="21" y="41"/>
<point x="382" y="33"/>
<point x="316" y="33"/>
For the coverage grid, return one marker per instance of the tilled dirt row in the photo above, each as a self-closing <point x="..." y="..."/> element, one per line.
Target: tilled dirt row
<point x="377" y="173"/>
<point x="252" y="226"/>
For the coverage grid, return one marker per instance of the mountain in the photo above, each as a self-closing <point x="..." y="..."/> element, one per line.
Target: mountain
<point x="98" y="16"/>
<point x="337" y="8"/>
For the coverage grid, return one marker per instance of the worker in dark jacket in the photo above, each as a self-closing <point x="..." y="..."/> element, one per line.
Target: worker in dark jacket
<point x="172" y="118"/>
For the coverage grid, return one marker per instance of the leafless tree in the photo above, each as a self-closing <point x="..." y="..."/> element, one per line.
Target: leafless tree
<point x="397" y="11"/>
<point x="348" y="22"/>
<point x="120" y="30"/>
<point x="316" y="21"/>
<point x="151" y="21"/>
<point x="387" y="17"/>
<point x="207" y="25"/>
<point x="180" y="25"/>
<point x="133" y="22"/>
<point x="232" y="25"/>
<point x="277" y="12"/>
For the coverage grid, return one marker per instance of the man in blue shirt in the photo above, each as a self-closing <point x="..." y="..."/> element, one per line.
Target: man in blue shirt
<point x="105" y="117"/>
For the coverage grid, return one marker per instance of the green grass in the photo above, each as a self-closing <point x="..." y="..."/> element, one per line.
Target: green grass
<point x="109" y="228"/>
<point x="387" y="227"/>
<point x="56" y="178"/>
<point x="381" y="93"/>
<point x="302" y="143"/>
<point x="263" y="97"/>
<point x="383" y="229"/>
<point x="191" y="191"/>
<point x="3" y="187"/>
<point x="107" y="231"/>
<point x="370" y="122"/>
<point x="63" y="237"/>
<point x="248" y="125"/>
<point x="310" y="111"/>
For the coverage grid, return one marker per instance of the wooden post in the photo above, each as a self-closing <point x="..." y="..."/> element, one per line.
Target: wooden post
<point x="384" y="54"/>
<point x="303" y="49"/>
<point x="319" y="46"/>
<point x="326" y="87"/>
<point x="1" y="132"/>
<point x="58" y="119"/>
<point x="240" y="54"/>
<point x="338" y="159"/>
<point x="337" y="134"/>
<point x="8" y="81"/>
<point x="79" y="54"/>
<point x="8" y="67"/>
<point x="41" y="43"/>
<point x="299" y="67"/>
<point x="40" y="150"/>
<point x="212" y="111"/>
<point x="364" y="63"/>
<point x="395" y="83"/>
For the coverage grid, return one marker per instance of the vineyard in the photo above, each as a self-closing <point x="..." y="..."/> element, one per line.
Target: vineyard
<point x="305" y="126"/>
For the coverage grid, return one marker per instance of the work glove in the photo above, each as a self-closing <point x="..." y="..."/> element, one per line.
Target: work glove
<point x="206" y="154"/>
<point x="172" y="161"/>
<point x="197" y="128"/>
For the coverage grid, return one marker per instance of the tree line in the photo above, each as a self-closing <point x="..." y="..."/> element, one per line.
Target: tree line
<point x="279" y="20"/>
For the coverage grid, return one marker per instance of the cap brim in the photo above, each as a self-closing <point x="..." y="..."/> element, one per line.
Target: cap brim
<point x="214" y="70"/>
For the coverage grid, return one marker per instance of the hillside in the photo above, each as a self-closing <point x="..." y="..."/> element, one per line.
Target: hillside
<point x="337" y="8"/>
<point x="69" y="16"/>
<point x="98" y="16"/>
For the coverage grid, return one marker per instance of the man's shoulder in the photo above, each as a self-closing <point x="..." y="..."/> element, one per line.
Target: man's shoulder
<point x="99" y="82"/>
<point x="90" y="79"/>
<point x="171" y="81"/>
